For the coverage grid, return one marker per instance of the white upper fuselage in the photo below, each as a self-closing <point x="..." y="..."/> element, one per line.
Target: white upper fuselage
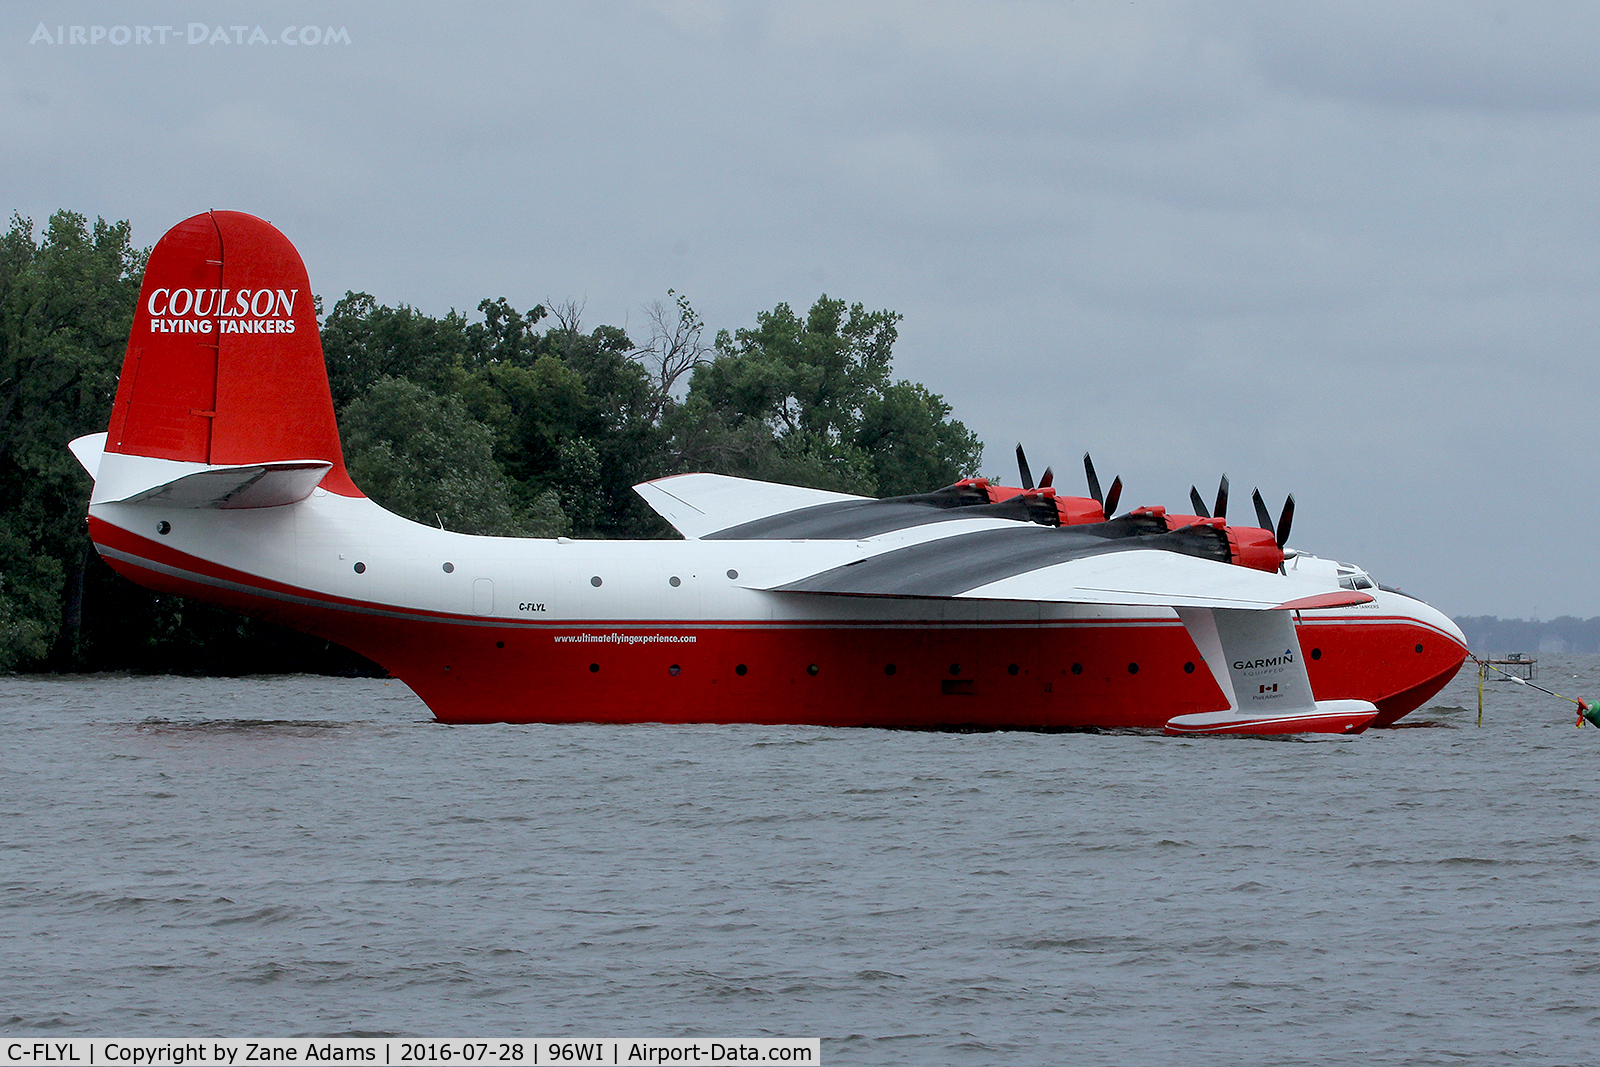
<point x="352" y="549"/>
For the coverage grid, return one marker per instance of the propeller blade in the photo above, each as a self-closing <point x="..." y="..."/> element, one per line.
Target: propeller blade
<point x="1221" y="510"/>
<point x="1022" y="468"/>
<point x="1199" y="505"/>
<point x="1049" y="476"/>
<point x="1094" y="483"/>
<point x="1112" y="497"/>
<point x="1263" y="516"/>
<point x="1285" y="521"/>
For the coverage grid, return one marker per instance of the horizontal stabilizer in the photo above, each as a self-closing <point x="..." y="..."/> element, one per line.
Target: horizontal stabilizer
<point x="699" y="504"/>
<point x="87" y="450"/>
<point x="125" y="479"/>
<point x="259" y="485"/>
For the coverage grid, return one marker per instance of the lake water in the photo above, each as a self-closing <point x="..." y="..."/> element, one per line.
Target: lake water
<point x="315" y="856"/>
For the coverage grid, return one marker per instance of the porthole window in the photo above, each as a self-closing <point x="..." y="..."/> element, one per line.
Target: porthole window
<point x="888" y="668"/>
<point x="361" y="568"/>
<point x="733" y="574"/>
<point x="1188" y="668"/>
<point x="1133" y="668"/>
<point x="1419" y="648"/>
<point x="1077" y="668"/>
<point x="955" y="669"/>
<point x="1013" y="669"/>
<point x="499" y="644"/>
<point x="674" y="581"/>
<point x="449" y="568"/>
<point x="594" y="668"/>
<point x="595" y="581"/>
<point x="163" y="527"/>
<point x="741" y="670"/>
<point x="813" y="669"/>
<point x="1316" y="653"/>
<point x="674" y="669"/>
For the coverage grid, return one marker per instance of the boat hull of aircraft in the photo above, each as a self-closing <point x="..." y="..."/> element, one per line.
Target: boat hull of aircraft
<point x="221" y="478"/>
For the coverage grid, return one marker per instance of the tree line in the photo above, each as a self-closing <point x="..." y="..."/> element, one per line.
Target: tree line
<point x="506" y="421"/>
<point x="1489" y="635"/>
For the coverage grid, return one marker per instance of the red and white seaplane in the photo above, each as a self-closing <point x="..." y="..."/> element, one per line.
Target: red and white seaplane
<point x="221" y="478"/>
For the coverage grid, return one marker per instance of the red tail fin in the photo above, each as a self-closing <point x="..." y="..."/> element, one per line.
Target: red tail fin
<point x="224" y="363"/>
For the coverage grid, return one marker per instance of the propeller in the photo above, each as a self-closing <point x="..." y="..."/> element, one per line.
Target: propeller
<point x="1264" y="517"/>
<point x="1220" y="511"/>
<point x="1108" y="501"/>
<point x="1022" y="468"/>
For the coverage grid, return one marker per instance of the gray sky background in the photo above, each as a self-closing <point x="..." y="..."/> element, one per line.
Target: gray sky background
<point x="1348" y="250"/>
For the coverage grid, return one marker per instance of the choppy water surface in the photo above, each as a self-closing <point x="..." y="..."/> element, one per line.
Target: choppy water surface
<point x="292" y="856"/>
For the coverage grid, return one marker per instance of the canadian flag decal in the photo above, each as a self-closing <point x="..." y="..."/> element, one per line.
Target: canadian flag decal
<point x="1273" y="688"/>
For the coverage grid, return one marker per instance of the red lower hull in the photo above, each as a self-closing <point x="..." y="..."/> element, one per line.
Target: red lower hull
<point x="1105" y="674"/>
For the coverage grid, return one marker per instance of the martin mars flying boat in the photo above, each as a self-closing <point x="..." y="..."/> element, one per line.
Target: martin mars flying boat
<point x="221" y="478"/>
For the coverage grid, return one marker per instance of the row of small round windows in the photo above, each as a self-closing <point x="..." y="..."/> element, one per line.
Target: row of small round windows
<point x="596" y="581"/>
<point x="164" y="527"/>
<point x="955" y="668"/>
<point x="674" y="581"/>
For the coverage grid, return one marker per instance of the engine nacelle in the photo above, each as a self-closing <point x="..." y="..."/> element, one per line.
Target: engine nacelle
<point x="1254" y="547"/>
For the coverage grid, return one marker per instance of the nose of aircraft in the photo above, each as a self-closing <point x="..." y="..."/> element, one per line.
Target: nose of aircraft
<point x="1440" y="666"/>
<point x="1432" y="616"/>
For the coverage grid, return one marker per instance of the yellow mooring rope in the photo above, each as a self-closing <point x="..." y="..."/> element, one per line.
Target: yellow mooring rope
<point x="1587" y="709"/>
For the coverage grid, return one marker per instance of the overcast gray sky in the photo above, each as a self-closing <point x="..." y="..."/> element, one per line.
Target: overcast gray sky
<point x="1348" y="251"/>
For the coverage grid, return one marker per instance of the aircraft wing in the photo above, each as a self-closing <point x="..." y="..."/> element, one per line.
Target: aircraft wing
<point x="1055" y="566"/>
<point x="713" y="507"/>
<point x="1154" y="578"/>
<point x="895" y="548"/>
<point x="701" y="504"/>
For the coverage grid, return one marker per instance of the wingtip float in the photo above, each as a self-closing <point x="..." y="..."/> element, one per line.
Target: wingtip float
<point x="221" y="478"/>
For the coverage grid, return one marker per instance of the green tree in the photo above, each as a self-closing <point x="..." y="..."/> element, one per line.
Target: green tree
<point x="575" y="412"/>
<point x="422" y="456"/>
<point x="505" y="335"/>
<point x="622" y="423"/>
<point x="66" y="303"/>
<point x="363" y="341"/>
<point x="912" y="443"/>
<point x="809" y="376"/>
<point x="809" y="401"/>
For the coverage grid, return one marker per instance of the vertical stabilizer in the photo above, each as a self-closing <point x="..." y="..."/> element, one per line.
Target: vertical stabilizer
<point x="224" y="364"/>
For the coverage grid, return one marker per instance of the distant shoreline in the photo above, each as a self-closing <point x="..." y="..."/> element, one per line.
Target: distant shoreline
<point x="1490" y="634"/>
